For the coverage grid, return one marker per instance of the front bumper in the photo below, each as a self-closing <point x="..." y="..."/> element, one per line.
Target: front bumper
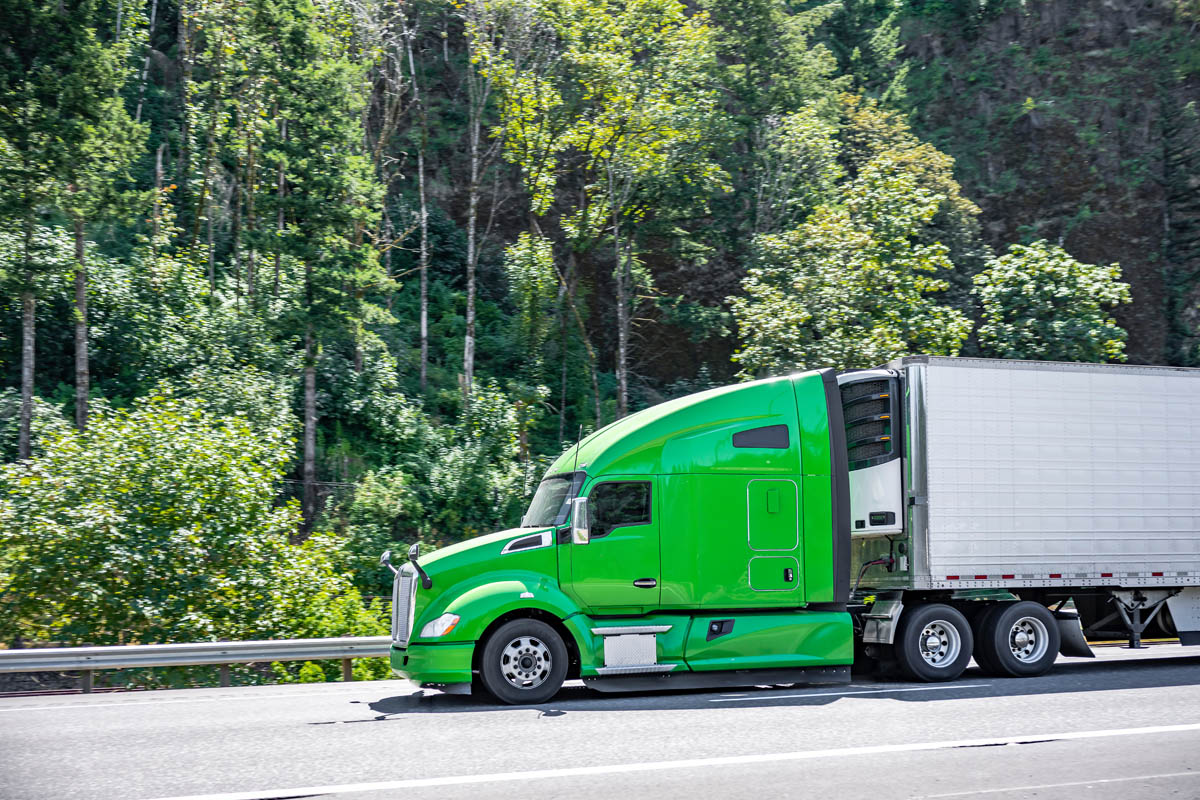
<point x="434" y="663"/>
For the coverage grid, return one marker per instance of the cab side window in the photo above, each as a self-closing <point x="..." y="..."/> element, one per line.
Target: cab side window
<point x="612" y="505"/>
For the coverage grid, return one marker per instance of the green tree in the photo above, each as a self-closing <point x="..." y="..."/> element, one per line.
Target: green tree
<point x="630" y="108"/>
<point x="65" y="137"/>
<point x="330" y="196"/>
<point x="1039" y="302"/>
<point x="852" y="286"/>
<point x="159" y="523"/>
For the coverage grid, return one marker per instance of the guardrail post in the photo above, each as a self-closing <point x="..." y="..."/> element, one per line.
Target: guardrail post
<point x="224" y="675"/>
<point x="347" y="672"/>
<point x="85" y="681"/>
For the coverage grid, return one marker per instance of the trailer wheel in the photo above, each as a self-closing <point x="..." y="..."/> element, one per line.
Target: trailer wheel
<point x="1020" y="640"/>
<point x="523" y="662"/>
<point x="933" y="643"/>
<point x="979" y="624"/>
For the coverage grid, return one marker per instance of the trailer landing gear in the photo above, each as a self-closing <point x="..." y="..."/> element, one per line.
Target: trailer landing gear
<point x="1131" y="605"/>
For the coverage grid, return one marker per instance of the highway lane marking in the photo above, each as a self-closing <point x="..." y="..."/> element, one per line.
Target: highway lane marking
<point x="137" y="703"/>
<point x="691" y="763"/>
<point x="1062" y="785"/>
<point x="946" y="688"/>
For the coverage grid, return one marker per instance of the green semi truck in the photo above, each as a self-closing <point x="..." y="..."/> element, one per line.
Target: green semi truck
<point x="910" y="516"/>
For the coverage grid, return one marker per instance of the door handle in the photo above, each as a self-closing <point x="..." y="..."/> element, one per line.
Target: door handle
<point x="645" y="583"/>
<point x="788" y="575"/>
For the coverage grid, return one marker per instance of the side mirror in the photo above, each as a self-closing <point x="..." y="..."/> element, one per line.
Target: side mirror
<point x="385" y="560"/>
<point x="580" y="531"/>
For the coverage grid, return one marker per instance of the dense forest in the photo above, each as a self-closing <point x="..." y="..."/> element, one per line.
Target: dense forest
<point x="288" y="282"/>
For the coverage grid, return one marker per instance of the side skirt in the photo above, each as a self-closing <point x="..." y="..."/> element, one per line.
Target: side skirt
<point x="719" y="679"/>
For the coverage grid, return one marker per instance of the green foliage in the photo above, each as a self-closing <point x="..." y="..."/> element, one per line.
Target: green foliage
<point x="465" y="480"/>
<point x="1040" y="303"/>
<point x="157" y="524"/>
<point x="529" y="263"/>
<point x="65" y="129"/>
<point x="798" y="167"/>
<point x="642" y="161"/>
<point x="852" y="286"/>
<point x="48" y="422"/>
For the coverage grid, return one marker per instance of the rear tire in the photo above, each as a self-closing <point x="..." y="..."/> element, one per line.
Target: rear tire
<point x="979" y="624"/>
<point x="933" y="643"/>
<point x="524" y="662"/>
<point x="1020" y="640"/>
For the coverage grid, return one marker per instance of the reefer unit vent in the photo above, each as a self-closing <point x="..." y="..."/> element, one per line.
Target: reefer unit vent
<point x="869" y="408"/>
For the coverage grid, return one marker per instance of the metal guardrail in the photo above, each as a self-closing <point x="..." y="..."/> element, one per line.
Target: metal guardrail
<point x="89" y="659"/>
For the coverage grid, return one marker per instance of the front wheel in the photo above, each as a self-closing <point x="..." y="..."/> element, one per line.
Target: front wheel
<point x="523" y="662"/>
<point x="933" y="643"/>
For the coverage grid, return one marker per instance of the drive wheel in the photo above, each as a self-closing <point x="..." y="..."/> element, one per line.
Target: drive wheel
<point x="524" y="662"/>
<point x="933" y="643"/>
<point x="1020" y="640"/>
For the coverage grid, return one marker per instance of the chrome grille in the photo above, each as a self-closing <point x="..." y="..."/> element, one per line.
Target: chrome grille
<point x="404" y="590"/>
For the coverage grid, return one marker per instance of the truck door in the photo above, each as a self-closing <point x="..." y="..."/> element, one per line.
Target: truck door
<point x="773" y="536"/>
<point x="619" y="567"/>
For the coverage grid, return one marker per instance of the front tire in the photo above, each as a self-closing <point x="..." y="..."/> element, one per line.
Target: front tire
<point x="524" y="662"/>
<point x="1020" y="640"/>
<point x="933" y="643"/>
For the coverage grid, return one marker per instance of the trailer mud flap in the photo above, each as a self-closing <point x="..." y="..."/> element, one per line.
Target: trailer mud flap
<point x="1070" y="631"/>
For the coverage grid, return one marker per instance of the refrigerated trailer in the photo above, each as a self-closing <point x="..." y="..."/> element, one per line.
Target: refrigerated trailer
<point x="906" y="517"/>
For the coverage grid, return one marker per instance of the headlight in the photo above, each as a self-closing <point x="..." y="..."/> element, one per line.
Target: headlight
<point x="440" y="626"/>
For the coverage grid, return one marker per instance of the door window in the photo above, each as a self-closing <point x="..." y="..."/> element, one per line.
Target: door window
<point x="612" y="505"/>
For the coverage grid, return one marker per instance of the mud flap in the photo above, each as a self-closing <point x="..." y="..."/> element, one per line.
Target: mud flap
<point x="1070" y="631"/>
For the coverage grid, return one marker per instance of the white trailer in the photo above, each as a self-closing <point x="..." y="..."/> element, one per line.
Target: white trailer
<point x="998" y="488"/>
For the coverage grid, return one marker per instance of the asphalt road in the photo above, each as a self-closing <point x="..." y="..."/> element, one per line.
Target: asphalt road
<point x="1126" y="725"/>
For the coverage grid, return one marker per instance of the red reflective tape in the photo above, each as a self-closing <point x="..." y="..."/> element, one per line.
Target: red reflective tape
<point x="1055" y="574"/>
<point x="1155" y="574"/>
<point x="1008" y="577"/>
<point x="1105" y="574"/>
<point x="981" y="577"/>
<point x="951" y="577"/>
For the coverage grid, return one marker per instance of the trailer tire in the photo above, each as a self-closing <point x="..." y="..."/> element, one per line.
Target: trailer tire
<point x="524" y="662"/>
<point x="1020" y="640"/>
<point x="979" y="624"/>
<point x="933" y="643"/>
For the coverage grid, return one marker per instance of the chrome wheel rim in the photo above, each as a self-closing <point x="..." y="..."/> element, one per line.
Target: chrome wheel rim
<point x="1028" y="639"/>
<point x="525" y="662"/>
<point x="940" y="643"/>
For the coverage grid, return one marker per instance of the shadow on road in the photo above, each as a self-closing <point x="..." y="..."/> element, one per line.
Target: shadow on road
<point x="1096" y="676"/>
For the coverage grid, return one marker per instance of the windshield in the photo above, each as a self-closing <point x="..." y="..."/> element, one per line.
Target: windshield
<point x="551" y="502"/>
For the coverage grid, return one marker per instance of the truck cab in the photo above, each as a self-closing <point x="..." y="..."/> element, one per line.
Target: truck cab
<point x="703" y="542"/>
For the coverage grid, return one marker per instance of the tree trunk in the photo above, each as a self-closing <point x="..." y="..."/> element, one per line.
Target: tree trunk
<point x="82" y="368"/>
<point x="156" y="214"/>
<point x="478" y="91"/>
<point x="279" y="195"/>
<point x="423" y="263"/>
<point x="137" y="117"/>
<point x="182" y="166"/>
<point x="424" y="268"/>
<point x="562" y="400"/>
<point x="472" y="256"/>
<point x="622" y="324"/>
<point x="389" y="233"/>
<point x="309" y="472"/>
<point x="235" y="234"/>
<point x="28" y="304"/>
<point x="212" y="258"/>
